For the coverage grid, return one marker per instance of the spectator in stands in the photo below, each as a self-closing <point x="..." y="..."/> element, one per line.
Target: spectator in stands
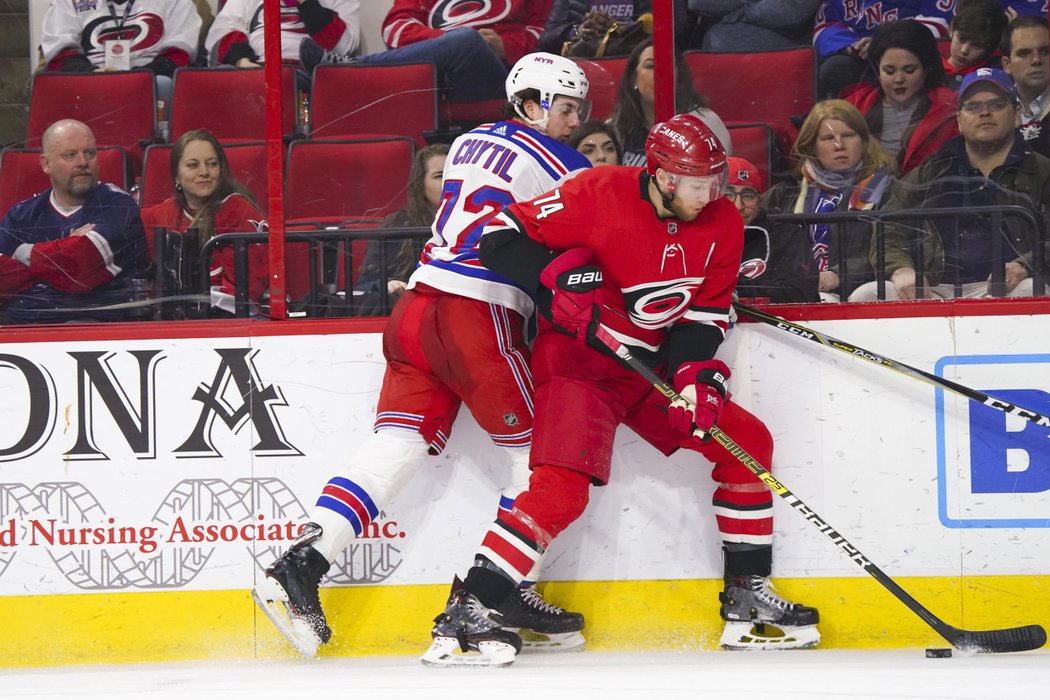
<point x="472" y="50"/>
<point x="753" y="25"/>
<point x="1026" y="60"/>
<point x="402" y="256"/>
<point x="81" y="37"/>
<point x="597" y="140"/>
<point x="845" y="28"/>
<point x="75" y="247"/>
<point x="591" y="19"/>
<point x="842" y="168"/>
<point x="332" y="26"/>
<point x="988" y="164"/>
<point x="975" y="32"/>
<point x="209" y="199"/>
<point x="907" y="105"/>
<point x="471" y="53"/>
<point x="635" y="111"/>
<point x="777" y="263"/>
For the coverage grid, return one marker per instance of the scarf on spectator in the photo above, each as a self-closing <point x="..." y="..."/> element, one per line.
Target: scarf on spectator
<point x="830" y="187"/>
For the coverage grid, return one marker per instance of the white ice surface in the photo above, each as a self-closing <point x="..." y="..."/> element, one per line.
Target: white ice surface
<point x="813" y="674"/>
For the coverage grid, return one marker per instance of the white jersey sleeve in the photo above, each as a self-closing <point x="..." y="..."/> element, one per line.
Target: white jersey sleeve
<point x="488" y="169"/>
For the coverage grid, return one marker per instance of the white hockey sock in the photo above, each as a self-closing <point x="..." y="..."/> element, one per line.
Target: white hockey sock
<point x="519" y="481"/>
<point x="352" y="499"/>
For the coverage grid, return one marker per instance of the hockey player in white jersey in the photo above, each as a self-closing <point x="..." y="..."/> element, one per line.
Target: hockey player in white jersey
<point x="453" y="338"/>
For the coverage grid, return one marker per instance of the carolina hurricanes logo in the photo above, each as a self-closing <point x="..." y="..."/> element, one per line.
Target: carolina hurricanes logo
<point x="656" y="305"/>
<point x="752" y="268"/>
<point x="449" y="14"/>
<point x="143" y="29"/>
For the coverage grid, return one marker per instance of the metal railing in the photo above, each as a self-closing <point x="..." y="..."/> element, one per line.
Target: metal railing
<point x="328" y="250"/>
<point x="878" y="219"/>
<point x="331" y="249"/>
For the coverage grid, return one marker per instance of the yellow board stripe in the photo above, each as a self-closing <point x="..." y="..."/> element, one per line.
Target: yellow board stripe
<point x="376" y="620"/>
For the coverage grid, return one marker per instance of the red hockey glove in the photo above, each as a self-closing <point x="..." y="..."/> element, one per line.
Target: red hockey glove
<point x="577" y="287"/>
<point x="705" y="385"/>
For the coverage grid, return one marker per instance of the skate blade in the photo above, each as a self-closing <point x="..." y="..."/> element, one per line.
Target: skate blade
<point x="273" y="601"/>
<point x="445" y="652"/>
<point x="533" y="642"/>
<point x="746" y="636"/>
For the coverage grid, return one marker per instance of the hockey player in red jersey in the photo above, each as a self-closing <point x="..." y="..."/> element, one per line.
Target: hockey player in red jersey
<point x="653" y="257"/>
<point x="455" y="337"/>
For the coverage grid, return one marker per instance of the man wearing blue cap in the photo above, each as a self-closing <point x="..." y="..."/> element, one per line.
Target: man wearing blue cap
<point x="988" y="164"/>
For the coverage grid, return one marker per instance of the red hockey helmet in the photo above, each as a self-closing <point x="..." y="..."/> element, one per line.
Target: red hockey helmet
<point x="684" y="145"/>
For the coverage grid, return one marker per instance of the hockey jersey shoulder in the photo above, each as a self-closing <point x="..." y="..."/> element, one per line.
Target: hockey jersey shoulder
<point x="540" y="153"/>
<point x="238" y="215"/>
<point x="21" y="210"/>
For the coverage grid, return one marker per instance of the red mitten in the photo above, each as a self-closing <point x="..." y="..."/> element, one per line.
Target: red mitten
<point x="705" y="386"/>
<point x="577" y="287"/>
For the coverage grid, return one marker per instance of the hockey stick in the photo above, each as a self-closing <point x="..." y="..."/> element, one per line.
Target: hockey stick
<point x="990" y="641"/>
<point x="932" y="379"/>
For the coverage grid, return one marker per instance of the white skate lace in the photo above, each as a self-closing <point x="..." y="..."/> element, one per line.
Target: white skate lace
<point x="765" y="591"/>
<point x="533" y="599"/>
<point x="475" y="611"/>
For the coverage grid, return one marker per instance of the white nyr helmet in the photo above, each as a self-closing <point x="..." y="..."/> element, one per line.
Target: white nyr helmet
<point x="551" y="75"/>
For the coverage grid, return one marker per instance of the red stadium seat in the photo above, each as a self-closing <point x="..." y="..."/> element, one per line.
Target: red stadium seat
<point x="757" y="144"/>
<point x="120" y="107"/>
<point x="467" y="115"/>
<point x="771" y="87"/>
<point x="247" y="162"/>
<point x="231" y="104"/>
<point x="341" y="184"/>
<point x="21" y="176"/>
<point x="332" y="181"/>
<point x="331" y="263"/>
<point x="349" y="101"/>
<point x="604" y="75"/>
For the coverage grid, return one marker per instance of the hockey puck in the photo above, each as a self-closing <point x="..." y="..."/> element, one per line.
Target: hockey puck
<point x="938" y="653"/>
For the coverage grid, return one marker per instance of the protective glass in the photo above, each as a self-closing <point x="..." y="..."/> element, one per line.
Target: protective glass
<point x="694" y="187"/>
<point x="566" y="105"/>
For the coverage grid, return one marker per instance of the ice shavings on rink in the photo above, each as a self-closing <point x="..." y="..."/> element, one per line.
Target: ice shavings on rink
<point x="789" y="675"/>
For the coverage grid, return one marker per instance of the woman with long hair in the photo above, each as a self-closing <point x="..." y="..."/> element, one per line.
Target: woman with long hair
<point x="597" y="141"/>
<point x="208" y="198"/>
<point x="907" y="104"/>
<point x="634" y="113"/>
<point x="424" y="195"/>
<point x="842" y="167"/>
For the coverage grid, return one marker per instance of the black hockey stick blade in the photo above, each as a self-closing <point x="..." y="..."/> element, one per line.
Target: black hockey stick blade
<point x="1014" y="639"/>
<point x="883" y="361"/>
<point x="998" y="641"/>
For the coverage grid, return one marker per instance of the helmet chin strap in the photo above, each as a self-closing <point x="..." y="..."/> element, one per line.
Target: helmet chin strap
<point x="539" y="125"/>
<point x="667" y="197"/>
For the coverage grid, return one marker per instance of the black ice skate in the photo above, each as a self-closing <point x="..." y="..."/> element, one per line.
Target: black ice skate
<point x="288" y="594"/>
<point x="758" y="618"/>
<point x="542" y="626"/>
<point x="466" y="634"/>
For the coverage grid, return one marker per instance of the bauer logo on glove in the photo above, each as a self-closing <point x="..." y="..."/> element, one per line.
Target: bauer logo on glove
<point x="576" y="285"/>
<point x="582" y="279"/>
